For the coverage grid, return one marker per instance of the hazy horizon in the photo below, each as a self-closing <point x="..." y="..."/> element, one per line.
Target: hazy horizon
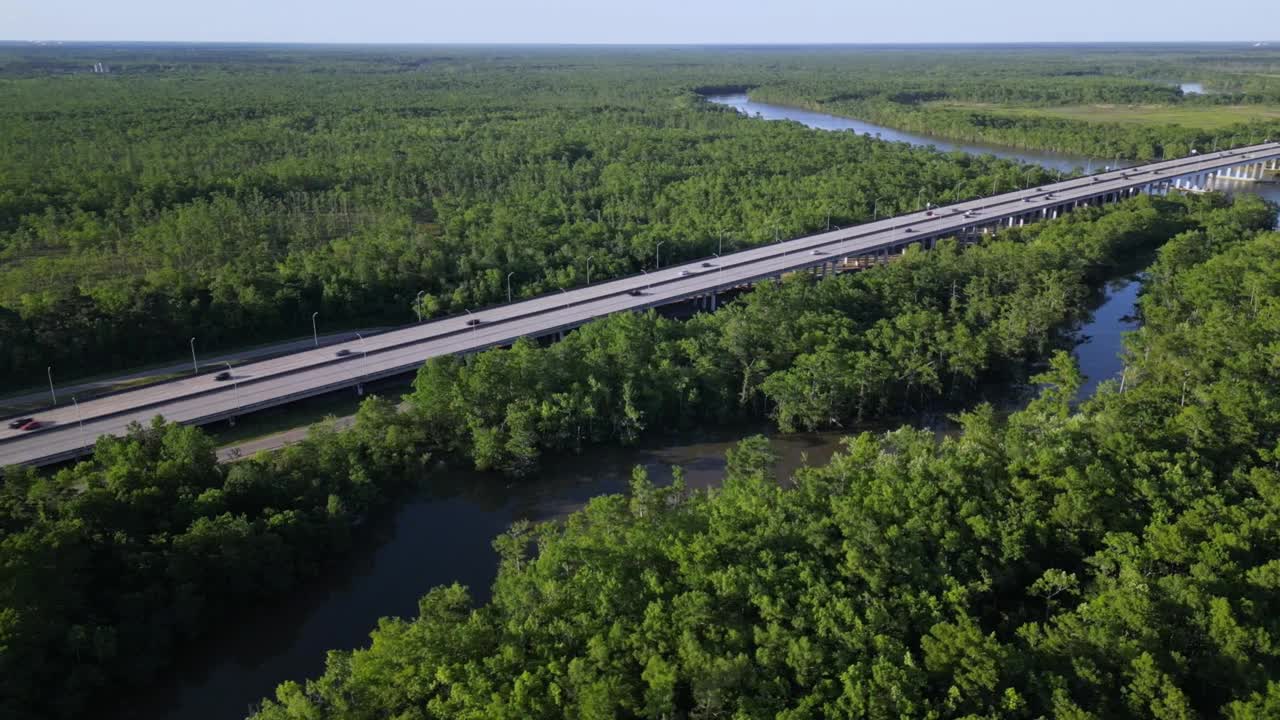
<point x="657" y="22"/>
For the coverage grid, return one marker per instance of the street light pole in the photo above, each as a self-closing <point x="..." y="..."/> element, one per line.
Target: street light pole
<point x="588" y="272"/>
<point x="235" y="384"/>
<point x="417" y="304"/>
<point x="80" y="420"/>
<point x="657" y="257"/>
<point x="315" y="337"/>
<point x="49" y="371"/>
<point x="513" y="272"/>
<point x="195" y="366"/>
<point x="364" y="349"/>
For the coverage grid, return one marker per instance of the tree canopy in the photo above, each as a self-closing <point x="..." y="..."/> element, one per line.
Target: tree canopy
<point x="1115" y="560"/>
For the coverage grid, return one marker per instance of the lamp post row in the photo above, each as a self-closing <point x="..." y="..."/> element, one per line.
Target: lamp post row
<point x="417" y="307"/>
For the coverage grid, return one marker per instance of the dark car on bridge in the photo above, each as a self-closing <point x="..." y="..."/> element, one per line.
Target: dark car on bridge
<point x="31" y="425"/>
<point x="16" y="423"/>
<point x="343" y="352"/>
<point x="224" y="375"/>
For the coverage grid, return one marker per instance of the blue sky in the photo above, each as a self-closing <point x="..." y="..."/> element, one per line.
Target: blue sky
<point x="639" y="21"/>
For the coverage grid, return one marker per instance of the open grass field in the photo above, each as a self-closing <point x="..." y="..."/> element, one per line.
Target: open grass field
<point x="1205" y="117"/>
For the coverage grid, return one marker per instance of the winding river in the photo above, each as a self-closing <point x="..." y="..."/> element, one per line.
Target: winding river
<point x="444" y="534"/>
<point x="1056" y="161"/>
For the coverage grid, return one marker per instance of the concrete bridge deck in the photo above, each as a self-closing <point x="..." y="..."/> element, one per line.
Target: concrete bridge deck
<point x="70" y="430"/>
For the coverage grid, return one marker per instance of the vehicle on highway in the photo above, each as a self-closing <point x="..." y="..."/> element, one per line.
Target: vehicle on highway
<point x="16" y="423"/>
<point x="910" y="230"/>
<point x="473" y="322"/>
<point x="684" y="273"/>
<point x="1027" y="199"/>
<point x="929" y="213"/>
<point x="343" y="352"/>
<point x="707" y="264"/>
<point x="224" y="375"/>
<point x="635" y="292"/>
<point x="31" y="425"/>
<point x="815" y="251"/>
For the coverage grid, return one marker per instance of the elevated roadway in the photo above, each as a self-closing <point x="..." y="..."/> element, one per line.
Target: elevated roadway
<point x="201" y="399"/>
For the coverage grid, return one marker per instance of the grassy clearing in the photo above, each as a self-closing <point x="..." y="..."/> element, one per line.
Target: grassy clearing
<point x="1195" y="116"/>
<point x="303" y="413"/>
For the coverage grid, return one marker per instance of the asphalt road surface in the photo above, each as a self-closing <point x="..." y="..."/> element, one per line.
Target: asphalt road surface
<point x="283" y="379"/>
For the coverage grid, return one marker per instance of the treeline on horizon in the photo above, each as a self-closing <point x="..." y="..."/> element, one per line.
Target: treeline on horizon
<point x="228" y="193"/>
<point x="912" y="94"/>
<point x="1102" y="140"/>
<point x="139" y="210"/>
<point x="112" y="565"/>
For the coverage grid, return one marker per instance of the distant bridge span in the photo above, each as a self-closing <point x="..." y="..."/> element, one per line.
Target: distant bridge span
<point x="200" y="399"/>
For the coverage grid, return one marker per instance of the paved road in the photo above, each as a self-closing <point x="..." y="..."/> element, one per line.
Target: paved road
<point x="312" y="372"/>
<point x="275" y="441"/>
<point x="38" y="400"/>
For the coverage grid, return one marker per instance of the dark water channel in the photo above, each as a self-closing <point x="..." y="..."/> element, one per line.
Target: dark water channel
<point x="443" y="534"/>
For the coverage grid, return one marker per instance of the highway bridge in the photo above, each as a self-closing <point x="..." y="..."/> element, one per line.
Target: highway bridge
<point x="71" y="430"/>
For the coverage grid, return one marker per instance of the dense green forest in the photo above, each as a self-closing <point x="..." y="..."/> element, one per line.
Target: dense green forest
<point x="228" y="192"/>
<point x="930" y="326"/>
<point x="112" y="564"/>
<point x="1117" y="560"/>
<point x="141" y="208"/>
<point x="919" y="92"/>
<point x="991" y="124"/>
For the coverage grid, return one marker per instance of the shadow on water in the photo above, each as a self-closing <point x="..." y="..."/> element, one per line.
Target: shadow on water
<point x="444" y="534"/>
